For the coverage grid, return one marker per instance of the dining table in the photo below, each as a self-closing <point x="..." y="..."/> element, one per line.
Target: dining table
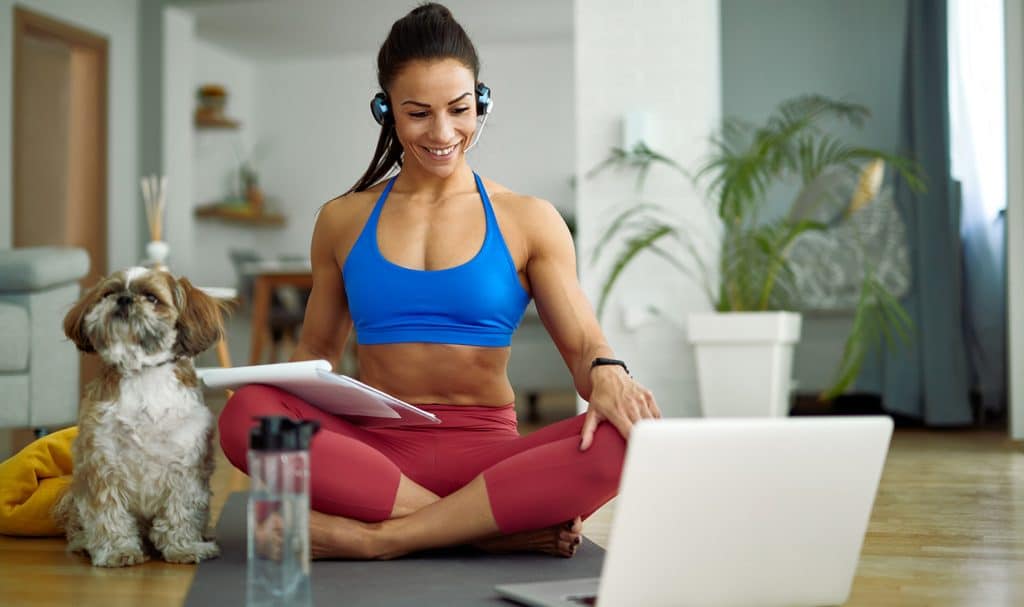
<point x="268" y="275"/>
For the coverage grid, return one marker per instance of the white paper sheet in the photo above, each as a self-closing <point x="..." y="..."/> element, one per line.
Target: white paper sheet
<point x="313" y="381"/>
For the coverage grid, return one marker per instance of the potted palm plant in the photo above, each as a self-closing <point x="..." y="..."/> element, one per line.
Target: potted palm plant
<point x="744" y="348"/>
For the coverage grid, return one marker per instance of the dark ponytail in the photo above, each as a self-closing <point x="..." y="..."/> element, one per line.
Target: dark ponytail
<point x="429" y="32"/>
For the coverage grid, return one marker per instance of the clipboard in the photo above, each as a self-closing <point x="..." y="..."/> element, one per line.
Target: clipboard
<point x="314" y="382"/>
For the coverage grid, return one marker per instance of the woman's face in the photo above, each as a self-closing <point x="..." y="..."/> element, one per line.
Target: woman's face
<point x="435" y="113"/>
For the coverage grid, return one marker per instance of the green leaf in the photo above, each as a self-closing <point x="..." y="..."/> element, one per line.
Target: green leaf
<point x="633" y="247"/>
<point x="619" y="224"/>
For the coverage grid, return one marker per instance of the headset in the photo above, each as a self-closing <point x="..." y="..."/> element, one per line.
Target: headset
<point x="380" y="107"/>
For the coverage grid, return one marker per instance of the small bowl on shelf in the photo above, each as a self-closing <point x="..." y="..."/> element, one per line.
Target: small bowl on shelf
<point x="212" y="97"/>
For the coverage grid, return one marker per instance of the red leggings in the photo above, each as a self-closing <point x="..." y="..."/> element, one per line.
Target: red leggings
<point x="533" y="482"/>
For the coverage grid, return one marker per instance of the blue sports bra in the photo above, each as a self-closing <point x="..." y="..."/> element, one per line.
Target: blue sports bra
<point x="478" y="303"/>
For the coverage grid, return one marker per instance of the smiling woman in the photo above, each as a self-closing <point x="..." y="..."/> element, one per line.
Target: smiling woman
<point x="445" y="53"/>
<point x="434" y="268"/>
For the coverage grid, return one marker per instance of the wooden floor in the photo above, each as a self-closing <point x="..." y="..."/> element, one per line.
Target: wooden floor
<point x="947" y="529"/>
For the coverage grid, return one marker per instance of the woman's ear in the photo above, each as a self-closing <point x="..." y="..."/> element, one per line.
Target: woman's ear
<point x="200" y="319"/>
<point x="74" y="321"/>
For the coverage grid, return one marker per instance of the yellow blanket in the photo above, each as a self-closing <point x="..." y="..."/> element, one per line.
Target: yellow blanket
<point x="31" y="481"/>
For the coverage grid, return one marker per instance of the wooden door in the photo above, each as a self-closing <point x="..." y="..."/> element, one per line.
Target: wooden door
<point x="60" y="142"/>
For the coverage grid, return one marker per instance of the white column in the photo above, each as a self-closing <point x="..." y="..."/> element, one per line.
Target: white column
<point x="1015" y="212"/>
<point x="660" y="58"/>
<point x="178" y="96"/>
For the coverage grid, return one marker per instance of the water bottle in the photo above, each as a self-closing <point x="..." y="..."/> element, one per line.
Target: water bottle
<point x="278" y="558"/>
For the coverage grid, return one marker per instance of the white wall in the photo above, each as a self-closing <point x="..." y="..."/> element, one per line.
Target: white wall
<point x="215" y="161"/>
<point x="115" y="20"/>
<point x="318" y="140"/>
<point x="665" y="60"/>
<point x="529" y="143"/>
<point x="1015" y="211"/>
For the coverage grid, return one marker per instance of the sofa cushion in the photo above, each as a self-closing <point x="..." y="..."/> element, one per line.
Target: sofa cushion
<point x="36" y="268"/>
<point x="13" y="338"/>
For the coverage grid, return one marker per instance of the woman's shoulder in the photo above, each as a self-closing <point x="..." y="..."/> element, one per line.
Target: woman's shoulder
<point x="522" y="207"/>
<point x="351" y="208"/>
<point x="528" y="211"/>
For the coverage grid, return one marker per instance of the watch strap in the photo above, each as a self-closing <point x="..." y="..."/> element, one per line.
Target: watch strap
<point x="600" y="360"/>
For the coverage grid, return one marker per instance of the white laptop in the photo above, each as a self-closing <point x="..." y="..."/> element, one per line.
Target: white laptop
<point x="745" y="512"/>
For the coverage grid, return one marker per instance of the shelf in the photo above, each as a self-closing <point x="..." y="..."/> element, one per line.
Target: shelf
<point x="209" y="120"/>
<point x="237" y="213"/>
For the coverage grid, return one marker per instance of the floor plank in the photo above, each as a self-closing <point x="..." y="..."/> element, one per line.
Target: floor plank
<point x="947" y="529"/>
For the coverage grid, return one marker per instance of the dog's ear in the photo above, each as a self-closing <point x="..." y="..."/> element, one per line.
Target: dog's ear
<point x="74" y="321"/>
<point x="200" y="319"/>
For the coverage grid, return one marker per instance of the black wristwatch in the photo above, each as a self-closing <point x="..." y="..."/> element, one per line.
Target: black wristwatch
<point x="600" y="360"/>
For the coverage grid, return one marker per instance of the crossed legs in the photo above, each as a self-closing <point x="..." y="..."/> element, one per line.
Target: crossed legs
<point x="532" y="490"/>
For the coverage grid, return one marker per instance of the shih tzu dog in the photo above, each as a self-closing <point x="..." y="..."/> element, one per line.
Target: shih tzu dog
<point x="144" y="453"/>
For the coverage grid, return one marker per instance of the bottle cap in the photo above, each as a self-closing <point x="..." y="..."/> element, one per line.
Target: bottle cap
<point x="279" y="433"/>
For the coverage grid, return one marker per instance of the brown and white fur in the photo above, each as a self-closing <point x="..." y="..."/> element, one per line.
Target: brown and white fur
<point x="144" y="452"/>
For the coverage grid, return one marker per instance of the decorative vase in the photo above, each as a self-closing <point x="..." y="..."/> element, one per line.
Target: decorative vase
<point x="255" y="197"/>
<point x="744" y="360"/>
<point x="156" y="253"/>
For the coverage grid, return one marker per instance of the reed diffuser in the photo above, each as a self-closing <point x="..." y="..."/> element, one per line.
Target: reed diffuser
<point x="154" y="196"/>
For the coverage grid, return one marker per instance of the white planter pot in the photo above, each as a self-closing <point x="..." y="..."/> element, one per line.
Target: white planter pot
<point x="744" y="361"/>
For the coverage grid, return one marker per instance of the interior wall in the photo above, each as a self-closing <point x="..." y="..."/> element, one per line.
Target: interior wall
<point x="117" y="21"/>
<point x="772" y="51"/>
<point x="663" y="60"/>
<point x="216" y="157"/>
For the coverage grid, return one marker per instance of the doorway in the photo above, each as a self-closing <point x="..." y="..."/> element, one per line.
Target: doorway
<point x="59" y="176"/>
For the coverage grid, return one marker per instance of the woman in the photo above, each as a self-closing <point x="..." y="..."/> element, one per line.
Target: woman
<point x="434" y="268"/>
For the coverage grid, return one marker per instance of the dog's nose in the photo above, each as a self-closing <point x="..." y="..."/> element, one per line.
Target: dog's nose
<point x="123" y="301"/>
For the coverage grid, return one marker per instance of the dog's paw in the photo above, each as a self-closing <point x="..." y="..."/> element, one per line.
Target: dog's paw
<point x="192" y="553"/>
<point x="125" y="557"/>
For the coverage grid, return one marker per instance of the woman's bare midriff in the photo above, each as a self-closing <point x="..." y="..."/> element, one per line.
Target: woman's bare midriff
<point x="438" y="373"/>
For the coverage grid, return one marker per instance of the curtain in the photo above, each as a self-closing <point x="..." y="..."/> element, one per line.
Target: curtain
<point x="926" y="379"/>
<point x="978" y="157"/>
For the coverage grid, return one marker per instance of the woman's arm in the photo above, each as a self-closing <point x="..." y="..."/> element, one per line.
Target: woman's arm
<point x="569" y="318"/>
<point x="327" y="323"/>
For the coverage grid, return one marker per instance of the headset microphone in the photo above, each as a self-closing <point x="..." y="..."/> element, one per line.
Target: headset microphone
<point x="480" y="129"/>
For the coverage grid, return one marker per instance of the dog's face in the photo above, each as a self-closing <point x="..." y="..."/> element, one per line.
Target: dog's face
<point x="138" y="317"/>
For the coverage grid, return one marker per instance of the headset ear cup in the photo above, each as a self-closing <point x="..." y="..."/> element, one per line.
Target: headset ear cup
<point x="483" y="99"/>
<point x="380" y="108"/>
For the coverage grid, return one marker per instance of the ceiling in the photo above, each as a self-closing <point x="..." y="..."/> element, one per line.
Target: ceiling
<point x="269" y="30"/>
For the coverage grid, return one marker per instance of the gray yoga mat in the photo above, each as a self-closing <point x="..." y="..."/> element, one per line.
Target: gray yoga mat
<point x="449" y="578"/>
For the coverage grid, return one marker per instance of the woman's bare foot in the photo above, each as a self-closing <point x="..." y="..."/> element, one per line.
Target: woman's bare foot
<point x="560" y="540"/>
<point x="339" y="537"/>
<point x="329" y="537"/>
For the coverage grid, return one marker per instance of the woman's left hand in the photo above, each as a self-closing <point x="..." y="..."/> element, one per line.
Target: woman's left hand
<point x="617" y="398"/>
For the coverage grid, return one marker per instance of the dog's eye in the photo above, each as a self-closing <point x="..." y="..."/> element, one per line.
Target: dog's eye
<point x="152" y="299"/>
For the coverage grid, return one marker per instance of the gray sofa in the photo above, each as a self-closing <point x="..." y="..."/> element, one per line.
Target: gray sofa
<point x="38" y="364"/>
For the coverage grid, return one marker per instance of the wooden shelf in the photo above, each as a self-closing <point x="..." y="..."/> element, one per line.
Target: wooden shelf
<point x="208" y="120"/>
<point x="236" y="213"/>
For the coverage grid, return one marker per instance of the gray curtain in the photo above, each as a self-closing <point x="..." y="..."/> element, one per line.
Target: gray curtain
<point x="985" y="307"/>
<point x="927" y="379"/>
